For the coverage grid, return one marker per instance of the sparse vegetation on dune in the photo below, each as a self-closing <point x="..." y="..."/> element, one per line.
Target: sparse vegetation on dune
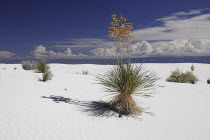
<point x="181" y="77"/>
<point x="40" y="66"/>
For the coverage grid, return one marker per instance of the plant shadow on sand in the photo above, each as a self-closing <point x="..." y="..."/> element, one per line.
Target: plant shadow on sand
<point x="92" y="108"/>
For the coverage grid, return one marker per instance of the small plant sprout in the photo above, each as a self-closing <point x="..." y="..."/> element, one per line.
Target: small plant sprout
<point x="192" y="68"/>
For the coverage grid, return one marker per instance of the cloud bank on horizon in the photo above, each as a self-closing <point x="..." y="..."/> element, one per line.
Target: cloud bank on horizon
<point x="41" y="52"/>
<point x="162" y="48"/>
<point x="181" y="34"/>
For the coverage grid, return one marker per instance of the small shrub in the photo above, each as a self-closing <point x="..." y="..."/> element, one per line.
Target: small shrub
<point x="181" y="77"/>
<point x="208" y="81"/>
<point x="29" y="65"/>
<point x="85" y="72"/>
<point x="42" y="66"/>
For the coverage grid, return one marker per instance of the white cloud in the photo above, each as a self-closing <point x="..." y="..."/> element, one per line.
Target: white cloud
<point x="41" y="52"/>
<point x="182" y="15"/>
<point x="141" y="48"/>
<point x="6" y="54"/>
<point x="191" y="12"/>
<point x="180" y="25"/>
<point x="104" y="51"/>
<point x="183" y="47"/>
<point x="82" y="42"/>
<point x="162" y="48"/>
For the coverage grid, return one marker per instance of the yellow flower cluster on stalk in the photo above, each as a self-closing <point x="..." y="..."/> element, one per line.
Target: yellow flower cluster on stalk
<point x="120" y="32"/>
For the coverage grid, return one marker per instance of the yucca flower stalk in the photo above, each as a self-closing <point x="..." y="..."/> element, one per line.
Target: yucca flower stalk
<point x="120" y="32"/>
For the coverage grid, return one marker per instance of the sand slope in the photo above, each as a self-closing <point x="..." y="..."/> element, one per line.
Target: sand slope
<point x="64" y="108"/>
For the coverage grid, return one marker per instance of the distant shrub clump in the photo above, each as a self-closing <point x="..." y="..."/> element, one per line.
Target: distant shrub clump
<point x="181" y="77"/>
<point x="29" y="65"/>
<point x="85" y="72"/>
<point x="208" y="81"/>
<point x="40" y="66"/>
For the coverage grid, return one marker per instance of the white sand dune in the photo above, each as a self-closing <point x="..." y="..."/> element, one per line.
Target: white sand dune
<point x="64" y="108"/>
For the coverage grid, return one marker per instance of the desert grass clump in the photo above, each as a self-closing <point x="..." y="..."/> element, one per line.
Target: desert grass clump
<point x="125" y="80"/>
<point x="42" y="66"/>
<point x="181" y="77"/>
<point x="29" y="65"/>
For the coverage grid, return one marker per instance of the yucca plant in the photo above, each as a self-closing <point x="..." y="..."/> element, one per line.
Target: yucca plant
<point x="124" y="81"/>
<point x="46" y="76"/>
<point x="42" y="66"/>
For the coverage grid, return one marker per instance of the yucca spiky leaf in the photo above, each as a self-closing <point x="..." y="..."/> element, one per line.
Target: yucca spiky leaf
<point x="130" y="79"/>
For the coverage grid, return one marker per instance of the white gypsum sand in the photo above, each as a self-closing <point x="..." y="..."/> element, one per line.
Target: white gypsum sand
<point x="62" y="109"/>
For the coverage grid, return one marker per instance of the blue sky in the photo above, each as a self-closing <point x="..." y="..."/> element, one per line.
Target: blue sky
<point x="81" y="25"/>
